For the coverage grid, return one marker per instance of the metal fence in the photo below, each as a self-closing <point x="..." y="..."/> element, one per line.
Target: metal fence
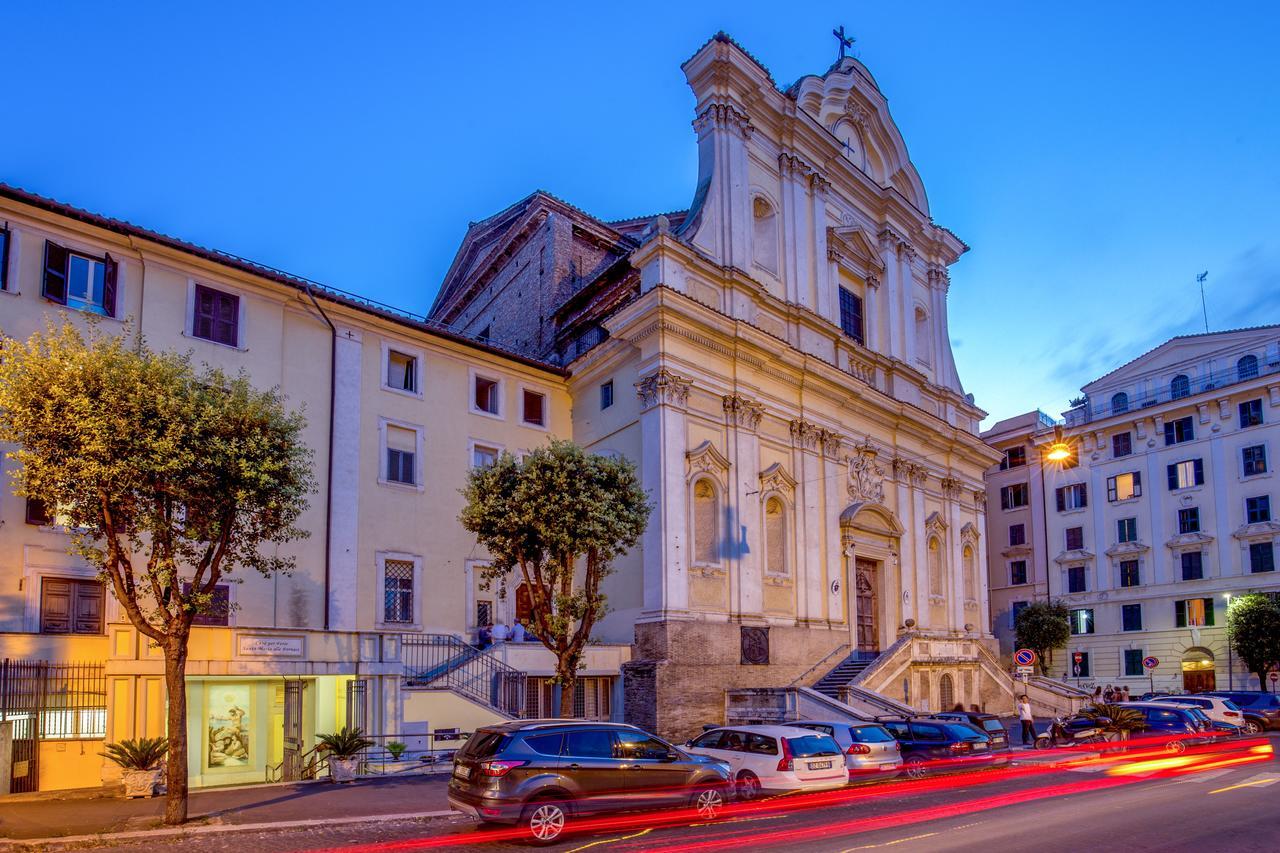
<point x="443" y="660"/>
<point x="54" y="701"/>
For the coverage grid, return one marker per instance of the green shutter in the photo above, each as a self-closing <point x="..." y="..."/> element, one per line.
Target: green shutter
<point x="1208" y="611"/>
<point x="1180" y="614"/>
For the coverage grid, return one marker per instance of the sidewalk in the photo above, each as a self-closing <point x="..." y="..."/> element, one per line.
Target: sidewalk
<point x="370" y="798"/>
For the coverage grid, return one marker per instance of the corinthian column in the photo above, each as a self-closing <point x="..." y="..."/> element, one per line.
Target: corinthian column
<point x="746" y="583"/>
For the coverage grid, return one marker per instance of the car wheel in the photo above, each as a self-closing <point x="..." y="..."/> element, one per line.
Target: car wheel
<point x="544" y="821"/>
<point x="748" y="785"/>
<point x="1251" y="727"/>
<point x="708" y="802"/>
<point x="915" y="769"/>
<point x="1176" y="747"/>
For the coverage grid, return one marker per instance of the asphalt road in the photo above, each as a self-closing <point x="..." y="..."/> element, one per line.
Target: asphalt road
<point x="1201" y="803"/>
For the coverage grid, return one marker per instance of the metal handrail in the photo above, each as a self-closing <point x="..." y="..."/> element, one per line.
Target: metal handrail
<point x="1090" y="411"/>
<point x="837" y="650"/>
<point x="443" y="660"/>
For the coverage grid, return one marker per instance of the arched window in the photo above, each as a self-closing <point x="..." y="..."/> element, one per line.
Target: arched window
<point x="970" y="577"/>
<point x="1247" y="367"/>
<point x="706" y="523"/>
<point x="946" y="692"/>
<point x="1180" y="387"/>
<point x="924" y="345"/>
<point x="935" y="567"/>
<point x="775" y="536"/>
<point x="1119" y="403"/>
<point x="764" y="234"/>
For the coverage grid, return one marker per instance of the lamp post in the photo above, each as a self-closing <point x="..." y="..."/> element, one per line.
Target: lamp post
<point x="1058" y="451"/>
<point x="1231" y="670"/>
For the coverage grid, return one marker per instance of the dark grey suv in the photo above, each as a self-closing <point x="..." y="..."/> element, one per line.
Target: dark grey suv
<point x="544" y="773"/>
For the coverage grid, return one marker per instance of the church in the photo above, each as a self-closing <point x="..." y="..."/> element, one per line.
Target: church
<point x="776" y="361"/>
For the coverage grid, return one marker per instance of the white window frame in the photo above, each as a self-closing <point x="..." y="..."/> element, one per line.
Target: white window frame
<point x="418" y="469"/>
<point x="473" y="443"/>
<point x="413" y="352"/>
<point x="380" y="609"/>
<point x="189" y="322"/>
<point x="472" y="376"/>
<point x="546" y="405"/>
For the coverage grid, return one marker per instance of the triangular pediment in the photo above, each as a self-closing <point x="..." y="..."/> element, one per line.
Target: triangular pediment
<point x="1187" y="352"/>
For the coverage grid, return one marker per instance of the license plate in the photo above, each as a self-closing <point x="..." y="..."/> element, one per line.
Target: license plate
<point x="819" y="765"/>
<point x="888" y="767"/>
<point x="462" y="772"/>
<point x="979" y="747"/>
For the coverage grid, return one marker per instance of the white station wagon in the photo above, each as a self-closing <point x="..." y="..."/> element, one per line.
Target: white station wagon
<point x="774" y="758"/>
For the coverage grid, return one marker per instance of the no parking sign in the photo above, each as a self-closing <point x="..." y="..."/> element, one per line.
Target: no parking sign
<point x="1024" y="657"/>
<point x="1151" y="662"/>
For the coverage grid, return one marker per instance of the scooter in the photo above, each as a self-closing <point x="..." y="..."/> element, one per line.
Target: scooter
<point x="1059" y="735"/>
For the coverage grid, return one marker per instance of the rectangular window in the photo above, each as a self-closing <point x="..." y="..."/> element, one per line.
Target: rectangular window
<point x="1254" y="459"/>
<point x="482" y="456"/>
<point x="217" y="316"/>
<point x="1075" y="538"/>
<point x="1257" y="509"/>
<point x="1082" y="621"/>
<point x="1262" y="557"/>
<point x="1014" y="457"/>
<point x="1250" y="413"/>
<point x="1123" y="487"/>
<point x="1192" y="565"/>
<point x="1080" y="668"/>
<point x="484" y="613"/>
<point x="1017" y="534"/>
<point x="402" y="445"/>
<point x="1131" y="617"/>
<point x="218" y="613"/>
<point x="1018" y="572"/>
<point x="1012" y="497"/>
<point x="397" y="591"/>
<point x="1193" y="613"/>
<point x="5" y="239"/>
<point x="1189" y="520"/>
<point x="533" y="408"/>
<point x="485" y="395"/>
<point x="1126" y="530"/>
<point x="851" y="315"/>
<point x="1129" y="573"/>
<point x="1075" y="496"/>
<point x="1184" y="475"/>
<point x="80" y="281"/>
<point x="606" y="395"/>
<point x="1121" y="444"/>
<point x="1076" y="579"/>
<point x="1018" y="607"/>
<point x="71" y="606"/>
<point x="1133" y="662"/>
<point x="1178" y="431"/>
<point x="402" y="371"/>
<point x="37" y="513"/>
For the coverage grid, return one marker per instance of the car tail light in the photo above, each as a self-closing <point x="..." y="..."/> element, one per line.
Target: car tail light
<point x="1230" y="714"/>
<point x="858" y="749"/>
<point x="499" y="768"/>
<point x="961" y="746"/>
<point x="897" y="746"/>
<point x="786" y="762"/>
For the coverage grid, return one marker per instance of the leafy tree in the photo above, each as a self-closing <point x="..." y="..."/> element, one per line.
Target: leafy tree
<point x="169" y="478"/>
<point x="1043" y="626"/>
<point x="1253" y="629"/>
<point x="558" y="519"/>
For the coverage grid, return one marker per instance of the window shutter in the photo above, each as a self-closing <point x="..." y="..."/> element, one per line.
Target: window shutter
<point x="6" y="237"/>
<point x="1208" y="611"/>
<point x="55" y="606"/>
<point x="1199" y="466"/>
<point x="1004" y="498"/>
<point x="1180" y="614"/>
<point x="1137" y="484"/>
<point x="55" y="272"/>
<point x="1084" y="494"/>
<point x="110" y="278"/>
<point x="1061" y="494"/>
<point x="86" y="610"/>
<point x="37" y="513"/>
<point x="1173" y="477"/>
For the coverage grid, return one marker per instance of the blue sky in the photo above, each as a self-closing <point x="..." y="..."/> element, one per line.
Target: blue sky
<point x="1096" y="156"/>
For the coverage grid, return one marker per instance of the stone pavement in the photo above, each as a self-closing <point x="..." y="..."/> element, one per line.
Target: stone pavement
<point x="258" y="804"/>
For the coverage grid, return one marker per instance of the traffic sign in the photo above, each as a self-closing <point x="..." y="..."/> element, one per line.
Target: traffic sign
<point x="1151" y="662"/>
<point x="1024" y="671"/>
<point x="1024" y="657"/>
<point x="1078" y="657"/>
<point x="1275" y="676"/>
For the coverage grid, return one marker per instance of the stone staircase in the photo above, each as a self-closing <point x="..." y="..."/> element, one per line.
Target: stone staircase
<point x="845" y="673"/>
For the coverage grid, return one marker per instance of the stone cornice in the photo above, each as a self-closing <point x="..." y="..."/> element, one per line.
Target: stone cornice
<point x="1258" y="531"/>
<point x="1074" y="557"/>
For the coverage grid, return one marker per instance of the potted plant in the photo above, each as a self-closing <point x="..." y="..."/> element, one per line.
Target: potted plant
<point x="343" y="748"/>
<point x="1115" y="720"/>
<point x="396" y="748"/>
<point x="140" y="759"/>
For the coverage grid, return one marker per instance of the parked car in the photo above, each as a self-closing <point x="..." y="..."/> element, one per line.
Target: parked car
<point x="1177" y="727"/>
<point x="988" y="724"/>
<point x="774" y="758"/>
<point x="932" y="744"/>
<point x="869" y="748"/>
<point x="542" y="774"/>
<point x="1216" y="708"/>
<point x="1261" y="709"/>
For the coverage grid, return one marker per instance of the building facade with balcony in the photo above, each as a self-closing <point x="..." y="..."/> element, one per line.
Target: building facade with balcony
<point x="1162" y="513"/>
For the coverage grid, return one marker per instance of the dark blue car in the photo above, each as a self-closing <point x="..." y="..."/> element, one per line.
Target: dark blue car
<point x="1177" y="728"/>
<point x="934" y="744"/>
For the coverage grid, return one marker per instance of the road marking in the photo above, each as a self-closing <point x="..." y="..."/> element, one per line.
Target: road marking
<point x="1205" y="776"/>
<point x="890" y="843"/>
<point x="1262" y="780"/>
<point x="611" y="840"/>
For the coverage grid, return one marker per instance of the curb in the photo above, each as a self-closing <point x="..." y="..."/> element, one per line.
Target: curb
<point x="211" y="829"/>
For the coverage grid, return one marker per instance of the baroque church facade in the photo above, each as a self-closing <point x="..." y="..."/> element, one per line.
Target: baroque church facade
<point x="776" y="361"/>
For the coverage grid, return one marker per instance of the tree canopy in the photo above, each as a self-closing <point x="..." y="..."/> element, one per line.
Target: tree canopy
<point x="1043" y="626"/>
<point x="1253" y="629"/>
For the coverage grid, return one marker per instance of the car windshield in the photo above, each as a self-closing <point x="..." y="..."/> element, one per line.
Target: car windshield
<point x="958" y="731"/>
<point x="870" y="734"/>
<point x="812" y="745"/>
<point x="484" y="745"/>
<point x="993" y="726"/>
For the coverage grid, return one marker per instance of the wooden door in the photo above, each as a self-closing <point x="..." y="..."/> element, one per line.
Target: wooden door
<point x="1198" y="681"/>
<point x="867" y="631"/>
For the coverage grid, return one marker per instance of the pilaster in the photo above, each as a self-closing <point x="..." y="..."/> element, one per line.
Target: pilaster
<point x="746" y="575"/>
<point x="663" y="441"/>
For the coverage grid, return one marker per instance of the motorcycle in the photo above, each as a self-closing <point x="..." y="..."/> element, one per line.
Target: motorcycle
<point x="1061" y="733"/>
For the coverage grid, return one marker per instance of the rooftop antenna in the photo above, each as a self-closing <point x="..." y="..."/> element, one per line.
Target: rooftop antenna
<point x="1200" y="278"/>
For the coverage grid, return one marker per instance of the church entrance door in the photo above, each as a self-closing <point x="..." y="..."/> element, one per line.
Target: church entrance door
<point x="867" y="629"/>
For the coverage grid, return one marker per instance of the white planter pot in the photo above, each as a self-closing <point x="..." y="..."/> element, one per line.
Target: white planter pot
<point x="141" y="783"/>
<point x="343" y="769"/>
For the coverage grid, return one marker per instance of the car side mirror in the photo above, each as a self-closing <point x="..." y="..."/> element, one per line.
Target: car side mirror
<point x="688" y="743"/>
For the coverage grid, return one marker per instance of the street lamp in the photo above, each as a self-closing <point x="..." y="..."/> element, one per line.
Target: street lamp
<point x="1231" y="670"/>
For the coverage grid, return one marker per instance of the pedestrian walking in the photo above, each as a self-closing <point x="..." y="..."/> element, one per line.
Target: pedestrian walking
<point x="1097" y="695"/>
<point x="1028" y="721"/>
<point x="1108" y="694"/>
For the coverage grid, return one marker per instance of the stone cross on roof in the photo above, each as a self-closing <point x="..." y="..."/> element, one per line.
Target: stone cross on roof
<point x="845" y="41"/>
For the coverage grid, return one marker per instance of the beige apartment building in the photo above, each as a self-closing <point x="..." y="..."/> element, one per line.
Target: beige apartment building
<point x="1162" y="514"/>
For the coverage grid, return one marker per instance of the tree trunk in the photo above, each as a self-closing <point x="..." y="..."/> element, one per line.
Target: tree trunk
<point x="567" y="686"/>
<point x="175" y="680"/>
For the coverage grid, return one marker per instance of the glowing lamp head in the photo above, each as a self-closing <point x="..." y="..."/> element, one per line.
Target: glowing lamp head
<point x="1058" y="452"/>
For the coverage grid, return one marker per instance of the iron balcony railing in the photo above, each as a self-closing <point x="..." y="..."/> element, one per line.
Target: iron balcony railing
<point x="443" y="660"/>
<point x="1136" y="401"/>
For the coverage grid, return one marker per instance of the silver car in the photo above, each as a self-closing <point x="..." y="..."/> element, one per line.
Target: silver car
<point x="869" y="748"/>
